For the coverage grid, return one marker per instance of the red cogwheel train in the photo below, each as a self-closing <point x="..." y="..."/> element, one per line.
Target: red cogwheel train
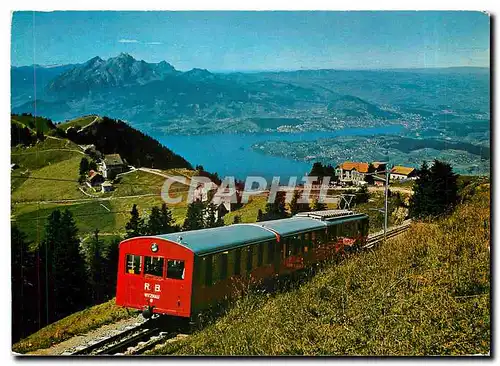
<point x="181" y="274"/>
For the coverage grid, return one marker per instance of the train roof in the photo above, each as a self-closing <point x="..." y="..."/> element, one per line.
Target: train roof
<point x="293" y="225"/>
<point x="206" y="241"/>
<point x="217" y="239"/>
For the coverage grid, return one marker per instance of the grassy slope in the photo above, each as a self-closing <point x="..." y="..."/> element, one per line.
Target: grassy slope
<point x="248" y="212"/>
<point x="424" y="293"/>
<point x="77" y="122"/>
<point x="40" y="190"/>
<point x="31" y="218"/>
<point x="77" y="323"/>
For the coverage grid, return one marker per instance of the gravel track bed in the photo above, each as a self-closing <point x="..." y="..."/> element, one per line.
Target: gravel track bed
<point x="84" y="340"/>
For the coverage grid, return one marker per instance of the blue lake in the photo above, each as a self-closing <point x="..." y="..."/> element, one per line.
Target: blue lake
<point x="232" y="154"/>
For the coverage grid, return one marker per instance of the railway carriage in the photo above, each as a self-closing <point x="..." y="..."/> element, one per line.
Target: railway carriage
<point x="183" y="273"/>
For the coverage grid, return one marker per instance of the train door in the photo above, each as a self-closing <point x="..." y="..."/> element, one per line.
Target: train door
<point x="176" y="286"/>
<point x="131" y="281"/>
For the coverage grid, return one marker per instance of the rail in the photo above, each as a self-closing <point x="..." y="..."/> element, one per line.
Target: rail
<point x="395" y="231"/>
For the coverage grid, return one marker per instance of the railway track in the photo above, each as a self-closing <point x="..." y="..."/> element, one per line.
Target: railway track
<point x="133" y="341"/>
<point x="379" y="237"/>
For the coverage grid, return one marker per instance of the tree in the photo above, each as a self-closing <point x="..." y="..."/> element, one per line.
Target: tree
<point x="277" y="209"/>
<point x="237" y="219"/>
<point x="210" y="215"/>
<point x="260" y="215"/>
<point x="194" y="217"/>
<point x="435" y="191"/>
<point x="24" y="290"/>
<point x="92" y="165"/>
<point x="135" y="226"/>
<point x="369" y="177"/>
<point x="96" y="268"/>
<point x="111" y="267"/>
<point x="318" y="206"/>
<point x="70" y="282"/>
<point x="362" y="195"/>
<point x="155" y="222"/>
<point x="296" y="207"/>
<point x="317" y="170"/>
<point x="167" y="220"/>
<point x="84" y="166"/>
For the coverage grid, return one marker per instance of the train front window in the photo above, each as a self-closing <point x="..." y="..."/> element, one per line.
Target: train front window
<point x="133" y="264"/>
<point x="154" y="266"/>
<point x="175" y="269"/>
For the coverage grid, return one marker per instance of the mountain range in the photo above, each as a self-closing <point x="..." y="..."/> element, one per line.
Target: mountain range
<point x="157" y="96"/>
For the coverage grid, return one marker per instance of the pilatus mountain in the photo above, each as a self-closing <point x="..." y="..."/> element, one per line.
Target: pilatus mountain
<point x="156" y="95"/>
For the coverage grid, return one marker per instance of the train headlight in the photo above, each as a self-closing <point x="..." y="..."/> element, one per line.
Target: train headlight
<point x="154" y="247"/>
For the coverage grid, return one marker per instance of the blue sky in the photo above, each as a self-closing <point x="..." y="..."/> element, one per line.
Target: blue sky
<point x="227" y="41"/>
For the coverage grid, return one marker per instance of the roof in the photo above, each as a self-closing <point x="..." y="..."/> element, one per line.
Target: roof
<point x="206" y="241"/>
<point x="292" y="226"/>
<point x="113" y="159"/>
<point x="403" y="170"/>
<point x="350" y="165"/>
<point x="94" y="175"/>
<point x="325" y="214"/>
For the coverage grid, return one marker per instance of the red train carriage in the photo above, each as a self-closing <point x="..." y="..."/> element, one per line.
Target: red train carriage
<point x="183" y="273"/>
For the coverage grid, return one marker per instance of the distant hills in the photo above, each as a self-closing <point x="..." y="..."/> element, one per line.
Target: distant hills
<point x="157" y="96"/>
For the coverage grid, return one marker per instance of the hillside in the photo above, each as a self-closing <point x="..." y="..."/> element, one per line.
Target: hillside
<point x="425" y="293"/>
<point x="116" y="137"/>
<point x="48" y="170"/>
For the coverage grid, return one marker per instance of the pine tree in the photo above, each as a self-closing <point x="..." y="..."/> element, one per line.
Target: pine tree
<point x="155" y="222"/>
<point x="296" y="207"/>
<point x="209" y="214"/>
<point x="422" y="192"/>
<point x="84" y="166"/>
<point x="362" y="195"/>
<point x="24" y="290"/>
<point x="194" y="217"/>
<point x="96" y="264"/>
<point x="135" y="226"/>
<point x="277" y="209"/>
<point x="111" y="259"/>
<point x="46" y="268"/>
<point x="167" y="220"/>
<point x="318" y="206"/>
<point x="70" y="281"/>
<point x="317" y="170"/>
<point x="435" y="191"/>
<point x="369" y="177"/>
<point x="260" y="215"/>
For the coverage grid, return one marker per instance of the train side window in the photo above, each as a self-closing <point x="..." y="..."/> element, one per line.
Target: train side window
<point x="237" y="261"/>
<point x="249" y="258"/>
<point x="134" y="263"/>
<point x="270" y="251"/>
<point x="208" y="270"/>
<point x="175" y="269"/>
<point x="255" y="256"/>
<point x="243" y="261"/>
<point x="153" y="266"/>
<point x="224" y="265"/>
<point x="260" y="254"/>
<point x="216" y="268"/>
